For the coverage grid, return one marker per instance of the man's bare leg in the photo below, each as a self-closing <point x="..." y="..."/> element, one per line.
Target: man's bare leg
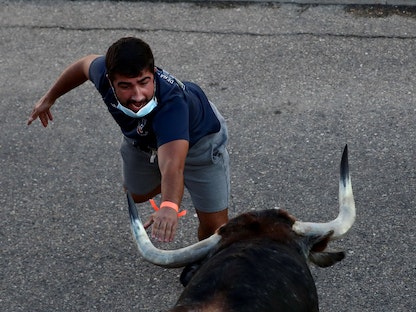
<point x="210" y="222"/>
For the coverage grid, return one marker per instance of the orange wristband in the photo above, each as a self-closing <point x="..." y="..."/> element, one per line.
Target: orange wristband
<point x="169" y="204"/>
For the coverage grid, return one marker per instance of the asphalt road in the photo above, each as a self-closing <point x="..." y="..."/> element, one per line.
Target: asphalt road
<point x="295" y="83"/>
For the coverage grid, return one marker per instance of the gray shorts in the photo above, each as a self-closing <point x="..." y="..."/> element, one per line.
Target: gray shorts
<point x="206" y="174"/>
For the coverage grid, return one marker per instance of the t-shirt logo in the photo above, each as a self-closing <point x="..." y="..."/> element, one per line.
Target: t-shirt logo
<point x="140" y="128"/>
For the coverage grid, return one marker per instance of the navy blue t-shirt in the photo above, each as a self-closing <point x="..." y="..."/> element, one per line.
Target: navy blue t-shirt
<point x="183" y="110"/>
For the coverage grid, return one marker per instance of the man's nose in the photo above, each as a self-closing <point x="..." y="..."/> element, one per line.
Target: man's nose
<point x="138" y="95"/>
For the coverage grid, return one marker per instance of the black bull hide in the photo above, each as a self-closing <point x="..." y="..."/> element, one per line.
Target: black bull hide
<point x="259" y="265"/>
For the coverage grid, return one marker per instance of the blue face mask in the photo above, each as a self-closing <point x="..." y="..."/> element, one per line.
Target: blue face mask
<point x="141" y="112"/>
<point x="145" y="110"/>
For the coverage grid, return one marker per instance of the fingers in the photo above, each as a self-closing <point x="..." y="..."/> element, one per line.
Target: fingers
<point x="164" y="222"/>
<point x="164" y="232"/>
<point x="30" y="120"/>
<point x="48" y="112"/>
<point x="149" y="222"/>
<point x="44" y="117"/>
<point x="32" y="117"/>
<point x="42" y="111"/>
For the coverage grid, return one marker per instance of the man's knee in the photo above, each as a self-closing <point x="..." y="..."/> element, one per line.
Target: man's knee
<point x="141" y="198"/>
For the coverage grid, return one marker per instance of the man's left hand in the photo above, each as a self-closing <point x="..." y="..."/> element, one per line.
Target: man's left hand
<point x="165" y="222"/>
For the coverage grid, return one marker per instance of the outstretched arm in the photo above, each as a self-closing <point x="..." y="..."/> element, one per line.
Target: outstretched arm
<point x="73" y="76"/>
<point x="171" y="159"/>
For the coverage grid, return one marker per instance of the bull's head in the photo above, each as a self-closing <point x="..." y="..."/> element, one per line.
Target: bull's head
<point x="281" y="227"/>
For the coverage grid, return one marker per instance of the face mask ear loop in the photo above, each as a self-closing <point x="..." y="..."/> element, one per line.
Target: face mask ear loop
<point x="112" y="88"/>
<point x="154" y="86"/>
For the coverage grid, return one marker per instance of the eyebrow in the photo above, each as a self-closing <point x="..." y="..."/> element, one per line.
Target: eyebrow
<point x="127" y="83"/>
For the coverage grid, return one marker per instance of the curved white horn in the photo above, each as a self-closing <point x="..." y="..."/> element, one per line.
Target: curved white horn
<point x="346" y="216"/>
<point x="166" y="258"/>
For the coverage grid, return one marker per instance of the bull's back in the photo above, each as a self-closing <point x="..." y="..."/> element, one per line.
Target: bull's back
<point x="258" y="275"/>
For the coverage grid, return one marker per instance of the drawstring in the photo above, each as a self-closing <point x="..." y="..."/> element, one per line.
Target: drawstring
<point x="153" y="156"/>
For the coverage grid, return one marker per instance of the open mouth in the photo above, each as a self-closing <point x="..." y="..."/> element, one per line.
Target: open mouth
<point x="135" y="106"/>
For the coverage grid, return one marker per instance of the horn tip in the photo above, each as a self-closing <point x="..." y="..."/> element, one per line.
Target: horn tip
<point x="344" y="168"/>
<point x="132" y="207"/>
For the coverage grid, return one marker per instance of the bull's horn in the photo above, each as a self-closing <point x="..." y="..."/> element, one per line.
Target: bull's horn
<point x="166" y="258"/>
<point x="346" y="216"/>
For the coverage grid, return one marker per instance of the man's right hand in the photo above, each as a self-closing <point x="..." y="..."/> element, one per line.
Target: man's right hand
<point x="41" y="111"/>
<point x="73" y="76"/>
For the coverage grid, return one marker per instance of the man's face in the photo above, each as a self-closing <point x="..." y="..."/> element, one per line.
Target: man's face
<point x="136" y="92"/>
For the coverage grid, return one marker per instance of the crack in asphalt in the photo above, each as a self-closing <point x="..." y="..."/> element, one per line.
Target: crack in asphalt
<point x="213" y="32"/>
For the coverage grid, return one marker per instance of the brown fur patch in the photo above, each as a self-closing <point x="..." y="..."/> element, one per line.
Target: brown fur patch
<point x="273" y="224"/>
<point x="216" y="304"/>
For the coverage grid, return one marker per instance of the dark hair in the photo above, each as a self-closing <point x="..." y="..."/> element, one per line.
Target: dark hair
<point x="128" y="57"/>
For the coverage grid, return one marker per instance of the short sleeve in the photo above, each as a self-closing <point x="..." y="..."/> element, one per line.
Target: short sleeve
<point x="97" y="75"/>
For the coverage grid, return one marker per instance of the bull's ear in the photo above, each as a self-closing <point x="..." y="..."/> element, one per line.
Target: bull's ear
<point x="315" y="246"/>
<point x="316" y="243"/>
<point x="326" y="259"/>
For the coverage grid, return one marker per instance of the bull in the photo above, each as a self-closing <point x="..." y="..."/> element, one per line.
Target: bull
<point x="258" y="261"/>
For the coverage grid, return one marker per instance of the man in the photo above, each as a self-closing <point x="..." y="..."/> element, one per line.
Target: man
<point x="172" y="135"/>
